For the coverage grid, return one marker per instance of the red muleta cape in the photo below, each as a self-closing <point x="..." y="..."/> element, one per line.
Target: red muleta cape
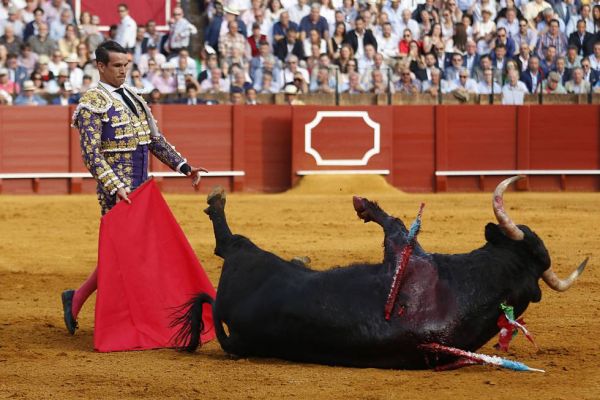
<point x="146" y="268"/>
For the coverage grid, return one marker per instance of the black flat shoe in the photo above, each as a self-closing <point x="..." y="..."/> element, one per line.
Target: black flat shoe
<point x="67" y="301"/>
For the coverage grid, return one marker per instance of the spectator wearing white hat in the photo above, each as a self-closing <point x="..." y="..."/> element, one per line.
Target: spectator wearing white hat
<point x="75" y="73"/>
<point x="56" y="62"/>
<point x="28" y="97"/>
<point x="210" y="61"/>
<point x="231" y="14"/>
<point x="127" y="28"/>
<point x="291" y="95"/>
<point x="180" y="32"/>
<point x="53" y="86"/>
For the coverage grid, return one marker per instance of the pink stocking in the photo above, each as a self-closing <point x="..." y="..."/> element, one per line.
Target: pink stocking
<point x="85" y="291"/>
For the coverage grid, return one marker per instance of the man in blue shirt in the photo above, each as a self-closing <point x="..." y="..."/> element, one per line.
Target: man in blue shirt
<point x="281" y="27"/>
<point x="314" y="21"/>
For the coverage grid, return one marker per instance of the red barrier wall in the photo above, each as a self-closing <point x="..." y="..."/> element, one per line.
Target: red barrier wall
<point x="564" y="138"/>
<point x="413" y="161"/>
<point x="268" y="144"/>
<point x="341" y="138"/>
<point x="34" y="140"/>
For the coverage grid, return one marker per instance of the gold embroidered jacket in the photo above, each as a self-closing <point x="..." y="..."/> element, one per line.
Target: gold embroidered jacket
<point x="110" y="134"/>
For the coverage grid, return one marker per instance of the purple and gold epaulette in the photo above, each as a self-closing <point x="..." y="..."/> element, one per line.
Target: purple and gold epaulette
<point x="94" y="100"/>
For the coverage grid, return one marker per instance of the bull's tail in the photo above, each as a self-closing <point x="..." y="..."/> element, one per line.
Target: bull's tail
<point x="189" y="317"/>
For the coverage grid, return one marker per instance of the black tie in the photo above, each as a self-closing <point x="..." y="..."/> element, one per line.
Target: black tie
<point x="127" y="101"/>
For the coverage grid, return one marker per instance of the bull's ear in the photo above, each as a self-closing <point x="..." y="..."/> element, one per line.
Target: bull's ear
<point x="493" y="234"/>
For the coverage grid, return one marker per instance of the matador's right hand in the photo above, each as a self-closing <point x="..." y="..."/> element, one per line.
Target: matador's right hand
<point x="122" y="195"/>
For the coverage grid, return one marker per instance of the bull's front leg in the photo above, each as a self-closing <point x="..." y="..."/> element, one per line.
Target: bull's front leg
<point x="393" y="228"/>
<point x="216" y="212"/>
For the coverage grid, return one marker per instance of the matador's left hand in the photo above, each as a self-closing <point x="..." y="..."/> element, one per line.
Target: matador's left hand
<point x="195" y="174"/>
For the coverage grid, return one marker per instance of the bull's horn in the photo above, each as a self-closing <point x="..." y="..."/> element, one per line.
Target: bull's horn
<point x="560" y="285"/>
<point x="506" y="225"/>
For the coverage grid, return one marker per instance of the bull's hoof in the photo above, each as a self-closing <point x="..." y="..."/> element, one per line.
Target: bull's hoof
<point x="216" y="195"/>
<point x="216" y="198"/>
<point x="361" y="206"/>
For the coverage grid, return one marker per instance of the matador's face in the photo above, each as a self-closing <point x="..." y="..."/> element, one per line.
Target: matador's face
<point x="115" y="72"/>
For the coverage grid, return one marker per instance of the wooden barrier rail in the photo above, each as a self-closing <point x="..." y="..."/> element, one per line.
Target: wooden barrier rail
<point x="262" y="148"/>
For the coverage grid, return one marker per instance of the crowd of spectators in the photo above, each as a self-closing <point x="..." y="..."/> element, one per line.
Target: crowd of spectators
<point x="345" y="46"/>
<point x="406" y="46"/>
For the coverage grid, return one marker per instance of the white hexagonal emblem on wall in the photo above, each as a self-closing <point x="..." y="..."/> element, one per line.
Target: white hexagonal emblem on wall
<point x="375" y="149"/>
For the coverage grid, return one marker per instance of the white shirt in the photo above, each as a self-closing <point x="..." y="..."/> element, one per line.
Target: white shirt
<point x="328" y="14"/>
<point x="470" y="85"/>
<point x="76" y="79"/>
<point x="57" y="30"/>
<point x="288" y="76"/>
<point x="360" y="50"/>
<point x="296" y="13"/>
<point x="388" y="46"/>
<point x="519" y="87"/>
<point x="534" y="82"/>
<point x="126" y="32"/>
<point x="572" y="25"/>
<point x="511" y="28"/>
<point x="112" y="90"/>
<point x="410" y="24"/>
<point x="470" y="59"/>
<point x="484" y="88"/>
<point x="594" y="62"/>
<point x="56" y="67"/>
<point x="179" y="35"/>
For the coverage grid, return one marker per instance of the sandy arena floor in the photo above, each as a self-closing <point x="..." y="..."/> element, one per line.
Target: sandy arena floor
<point x="49" y="243"/>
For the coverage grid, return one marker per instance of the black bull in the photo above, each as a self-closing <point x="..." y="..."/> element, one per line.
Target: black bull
<point x="276" y="308"/>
